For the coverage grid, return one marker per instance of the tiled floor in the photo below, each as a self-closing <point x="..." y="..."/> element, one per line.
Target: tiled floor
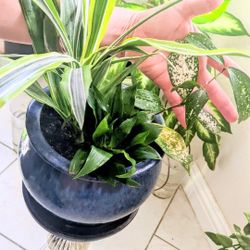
<point x="161" y="224"/>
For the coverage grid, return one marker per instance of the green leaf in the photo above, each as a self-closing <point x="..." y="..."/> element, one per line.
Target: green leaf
<point x="187" y="134"/>
<point x="204" y="134"/>
<point x="170" y="119"/>
<point x="144" y="152"/>
<point x="204" y="42"/>
<point x="240" y="82"/>
<point x="186" y="85"/>
<point x="209" y="122"/>
<point x="18" y="75"/>
<point x="50" y="35"/>
<point x="146" y="100"/>
<point x="132" y="183"/>
<point x="194" y="104"/>
<point x="174" y="146"/>
<point x="78" y="161"/>
<point x="139" y="138"/>
<point x="237" y="229"/>
<point x="213" y="15"/>
<point x="225" y="126"/>
<point x="78" y="87"/>
<point x="133" y="6"/>
<point x="182" y="68"/>
<point x="34" y="19"/>
<point x="128" y="100"/>
<point x="247" y="229"/>
<point x="101" y="129"/>
<point x="180" y="48"/>
<point x="213" y="237"/>
<point x="154" y="130"/>
<point x="224" y="240"/>
<point x="99" y="15"/>
<point x="244" y="241"/>
<point x="96" y="158"/>
<point x="247" y="215"/>
<point x="226" y="25"/>
<point x="210" y="153"/>
<point x="132" y="169"/>
<point x="50" y="10"/>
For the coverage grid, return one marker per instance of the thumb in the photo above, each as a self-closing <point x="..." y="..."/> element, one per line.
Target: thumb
<point x="192" y="8"/>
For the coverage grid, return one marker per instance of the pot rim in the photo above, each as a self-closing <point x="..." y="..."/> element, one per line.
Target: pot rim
<point x="50" y="155"/>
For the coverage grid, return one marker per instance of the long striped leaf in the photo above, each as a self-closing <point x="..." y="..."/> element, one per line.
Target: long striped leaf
<point x="71" y="16"/>
<point x="180" y="48"/>
<point x="78" y="87"/>
<point x="99" y="15"/>
<point x="18" y="75"/>
<point x="50" y="10"/>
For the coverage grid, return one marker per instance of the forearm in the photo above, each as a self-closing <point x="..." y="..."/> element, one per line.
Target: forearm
<point x="12" y="23"/>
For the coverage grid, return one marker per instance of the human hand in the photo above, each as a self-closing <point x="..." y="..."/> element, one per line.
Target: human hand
<point x="174" y="24"/>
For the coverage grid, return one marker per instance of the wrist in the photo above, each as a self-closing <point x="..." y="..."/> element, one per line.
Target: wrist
<point x="121" y="20"/>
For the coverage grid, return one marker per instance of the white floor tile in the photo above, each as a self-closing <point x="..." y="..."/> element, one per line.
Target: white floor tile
<point x="158" y="244"/>
<point x="7" y="245"/>
<point x="136" y="235"/>
<point x="16" y="222"/>
<point x="7" y="156"/>
<point x="180" y="227"/>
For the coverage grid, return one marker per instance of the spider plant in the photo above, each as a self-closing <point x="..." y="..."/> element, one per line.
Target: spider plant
<point x="108" y="103"/>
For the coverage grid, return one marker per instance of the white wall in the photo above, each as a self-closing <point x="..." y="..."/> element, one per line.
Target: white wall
<point x="230" y="182"/>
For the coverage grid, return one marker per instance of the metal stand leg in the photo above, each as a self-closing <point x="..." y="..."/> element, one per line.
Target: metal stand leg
<point x="56" y="243"/>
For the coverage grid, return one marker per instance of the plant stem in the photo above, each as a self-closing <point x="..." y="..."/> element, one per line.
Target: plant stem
<point x="216" y="76"/>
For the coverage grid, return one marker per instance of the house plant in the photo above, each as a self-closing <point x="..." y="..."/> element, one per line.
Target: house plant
<point x="100" y="113"/>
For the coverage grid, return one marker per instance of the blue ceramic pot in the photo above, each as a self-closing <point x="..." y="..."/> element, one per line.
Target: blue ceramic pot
<point x="85" y="200"/>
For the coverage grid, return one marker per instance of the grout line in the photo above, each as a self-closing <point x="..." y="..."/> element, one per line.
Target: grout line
<point x="8" y="166"/>
<point x="172" y="198"/>
<point x="12" y="241"/>
<point x="167" y="242"/>
<point x="7" y="146"/>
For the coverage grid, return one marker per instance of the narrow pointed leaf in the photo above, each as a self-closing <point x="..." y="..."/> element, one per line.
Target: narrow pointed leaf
<point x="209" y="122"/>
<point x="96" y="159"/>
<point x="204" y="134"/>
<point x="144" y="152"/>
<point x="139" y="138"/>
<point x="210" y="153"/>
<point x="132" y="169"/>
<point x="77" y="162"/>
<point x="101" y="129"/>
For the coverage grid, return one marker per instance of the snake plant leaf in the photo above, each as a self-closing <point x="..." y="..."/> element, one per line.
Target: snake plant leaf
<point x="34" y="19"/>
<point x="98" y="18"/>
<point x="194" y="105"/>
<point x="77" y="162"/>
<point x="78" y="87"/>
<point x="224" y="125"/>
<point x="148" y="101"/>
<point x="50" y="35"/>
<point x="174" y="146"/>
<point x="50" y="10"/>
<point x="203" y="133"/>
<point x="213" y="15"/>
<point x="204" y="42"/>
<point x="18" y="75"/>
<point x="210" y="153"/>
<point x="96" y="158"/>
<point x="209" y="122"/>
<point x="144" y="152"/>
<point x="240" y="82"/>
<point x="72" y="16"/>
<point x="226" y="25"/>
<point x="181" y="48"/>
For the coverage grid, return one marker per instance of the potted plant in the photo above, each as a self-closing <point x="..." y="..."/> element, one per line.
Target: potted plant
<point x="91" y="151"/>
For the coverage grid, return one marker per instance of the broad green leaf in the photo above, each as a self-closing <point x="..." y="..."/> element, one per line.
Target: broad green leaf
<point x="194" y="105"/>
<point x="144" y="152"/>
<point x="213" y="237"/>
<point x="247" y="215"/>
<point x="244" y="241"/>
<point x="182" y="68"/>
<point x="18" y="75"/>
<point x="146" y="100"/>
<point x="247" y="229"/>
<point x="71" y="16"/>
<point x="180" y="48"/>
<point x="225" y="126"/>
<point x="210" y="153"/>
<point x="50" y="10"/>
<point x="139" y="138"/>
<point x="213" y="15"/>
<point x="174" y="146"/>
<point x="226" y="25"/>
<point x="34" y="19"/>
<point x="96" y="159"/>
<point x="132" y="169"/>
<point x="204" y="134"/>
<point x="128" y="100"/>
<point x="224" y="240"/>
<point x="132" y="183"/>
<point x="170" y="119"/>
<point x="115" y="102"/>
<point x="99" y="15"/>
<point x="154" y="130"/>
<point x="204" y="42"/>
<point x="78" y="88"/>
<point x="101" y="129"/>
<point x="77" y="162"/>
<point x="240" y="82"/>
<point x="209" y="122"/>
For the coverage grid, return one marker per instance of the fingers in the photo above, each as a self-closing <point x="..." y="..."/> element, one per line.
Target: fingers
<point x="156" y="69"/>
<point x="192" y="8"/>
<point x="218" y="97"/>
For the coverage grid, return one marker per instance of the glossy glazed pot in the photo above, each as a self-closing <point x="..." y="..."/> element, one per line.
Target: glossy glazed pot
<point x="85" y="200"/>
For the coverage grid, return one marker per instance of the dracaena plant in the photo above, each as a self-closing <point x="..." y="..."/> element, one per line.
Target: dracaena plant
<point x="106" y="102"/>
